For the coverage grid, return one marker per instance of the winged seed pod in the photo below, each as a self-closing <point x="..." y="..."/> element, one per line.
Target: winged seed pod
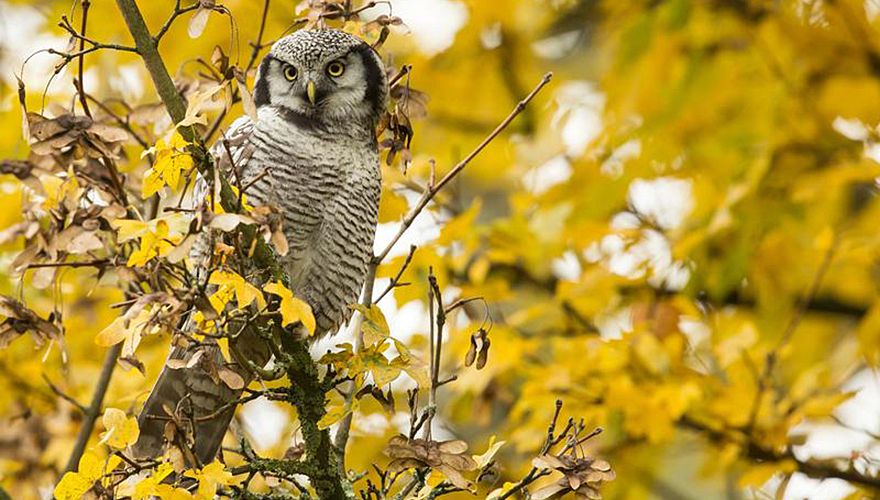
<point x="447" y="457"/>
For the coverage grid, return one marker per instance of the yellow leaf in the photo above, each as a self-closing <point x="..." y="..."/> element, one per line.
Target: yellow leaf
<point x="223" y="344"/>
<point x="497" y="493"/>
<point x="121" y="431"/>
<point x="59" y="189"/>
<point x="168" y="492"/>
<point x="127" y="329"/>
<point x="74" y="485"/>
<point x="149" y="486"/>
<point x="824" y="405"/>
<point x="335" y="413"/>
<point x="850" y="97"/>
<point x="757" y="475"/>
<point x="392" y="206"/>
<point x="292" y="309"/>
<point x="129" y="229"/>
<point x="172" y="162"/>
<point x="209" y="477"/>
<point x="485" y="458"/>
<point x="245" y="293"/>
<point x="374" y="327"/>
<point x="461" y="226"/>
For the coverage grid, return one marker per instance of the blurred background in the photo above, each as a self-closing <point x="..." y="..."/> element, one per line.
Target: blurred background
<point x="677" y="238"/>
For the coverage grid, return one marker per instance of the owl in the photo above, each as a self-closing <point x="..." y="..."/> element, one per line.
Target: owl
<point x="312" y="153"/>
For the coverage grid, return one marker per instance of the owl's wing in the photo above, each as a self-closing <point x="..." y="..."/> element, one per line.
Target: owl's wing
<point x="195" y="385"/>
<point x="230" y="153"/>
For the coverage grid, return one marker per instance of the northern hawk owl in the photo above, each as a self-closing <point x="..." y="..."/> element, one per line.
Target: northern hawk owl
<point x="312" y="153"/>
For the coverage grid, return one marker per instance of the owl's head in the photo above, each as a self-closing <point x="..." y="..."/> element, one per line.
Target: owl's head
<point x="323" y="75"/>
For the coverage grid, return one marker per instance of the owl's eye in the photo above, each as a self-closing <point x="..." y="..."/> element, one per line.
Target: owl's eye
<point x="290" y="73"/>
<point x="336" y="68"/>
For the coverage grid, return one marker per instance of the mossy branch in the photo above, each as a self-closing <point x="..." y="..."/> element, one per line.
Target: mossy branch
<point x="307" y="393"/>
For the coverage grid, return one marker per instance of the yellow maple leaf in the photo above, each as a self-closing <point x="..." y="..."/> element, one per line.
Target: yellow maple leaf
<point x="148" y="487"/>
<point x="484" y="459"/>
<point x="74" y="485"/>
<point x="218" y="209"/>
<point x="336" y="410"/>
<point x="172" y="163"/>
<point x="154" y="244"/>
<point x="374" y="326"/>
<point x="59" y="189"/>
<point x="128" y="229"/>
<point x="121" y="430"/>
<point x="292" y="309"/>
<point x="210" y="477"/>
<point x="168" y="492"/>
<point x="245" y="293"/>
<point x="127" y="329"/>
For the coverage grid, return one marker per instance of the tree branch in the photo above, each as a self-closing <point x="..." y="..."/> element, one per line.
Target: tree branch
<point x="818" y="469"/>
<point x="149" y="52"/>
<point x="90" y="415"/>
<point x="307" y="391"/>
<point x="433" y="189"/>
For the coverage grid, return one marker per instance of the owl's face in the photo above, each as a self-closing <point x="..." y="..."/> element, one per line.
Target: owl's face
<point x="322" y="75"/>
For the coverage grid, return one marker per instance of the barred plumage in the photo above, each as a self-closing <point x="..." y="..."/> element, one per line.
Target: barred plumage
<point x="312" y="153"/>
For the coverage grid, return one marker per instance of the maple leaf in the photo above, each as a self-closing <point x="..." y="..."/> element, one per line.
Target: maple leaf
<point x="245" y="293"/>
<point x="337" y="408"/>
<point x="128" y="328"/>
<point x="121" y="431"/>
<point x="172" y="163"/>
<point x="158" y="237"/>
<point x="292" y="309"/>
<point x="149" y="486"/>
<point x="210" y="477"/>
<point x="375" y="326"/>
<point x="75" y="485"/>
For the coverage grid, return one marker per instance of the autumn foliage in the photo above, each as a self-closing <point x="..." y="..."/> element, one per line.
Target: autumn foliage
<point x="653" y="276"/>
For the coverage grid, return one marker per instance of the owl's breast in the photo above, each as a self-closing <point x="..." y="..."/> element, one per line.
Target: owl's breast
<point x="327" y="190"/>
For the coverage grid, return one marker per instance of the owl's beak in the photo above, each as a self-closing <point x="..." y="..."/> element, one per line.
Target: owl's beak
<point x="311" y="91"/>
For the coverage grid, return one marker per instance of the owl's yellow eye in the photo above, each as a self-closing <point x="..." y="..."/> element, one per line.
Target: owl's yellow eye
<point x="336" y="68"/>
<point x="290" y="73"/>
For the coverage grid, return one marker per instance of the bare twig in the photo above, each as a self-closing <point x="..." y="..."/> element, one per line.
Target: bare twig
<point x="766" y="375"/>
<point x="178" y="11"/>
<point x="90" y="263"/>
<point x="433" y="189"/>
<point x="90" y="415"/>
<point x="395" y="282"/>
<point x="342" y="432"/>
<point x="82" y="43"/>
<point x="550" y="440"/>
<point x="258" y="45"/>
<point x="58" y="392"/>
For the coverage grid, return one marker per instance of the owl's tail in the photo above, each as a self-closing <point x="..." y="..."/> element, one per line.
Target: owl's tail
<point x="191" y="404"/>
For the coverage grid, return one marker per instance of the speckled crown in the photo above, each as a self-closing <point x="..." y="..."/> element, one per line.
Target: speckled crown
<point x="311" y="47"/>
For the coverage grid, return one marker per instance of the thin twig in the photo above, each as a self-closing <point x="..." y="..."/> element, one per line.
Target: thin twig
<point x="395" y="282"/>
<point x="79" y="406"/>
<point x="815" y="468"/>
<point x="178" y="11"/>
<point x="82" y="44"/>
<point x="91" y="263"/>
<point x="433" y="189"/>
<point x="342" y="432"/>
<point x="258" y="45"/>
<point x="90" y="415"/>
<point x="770" y="362"/>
